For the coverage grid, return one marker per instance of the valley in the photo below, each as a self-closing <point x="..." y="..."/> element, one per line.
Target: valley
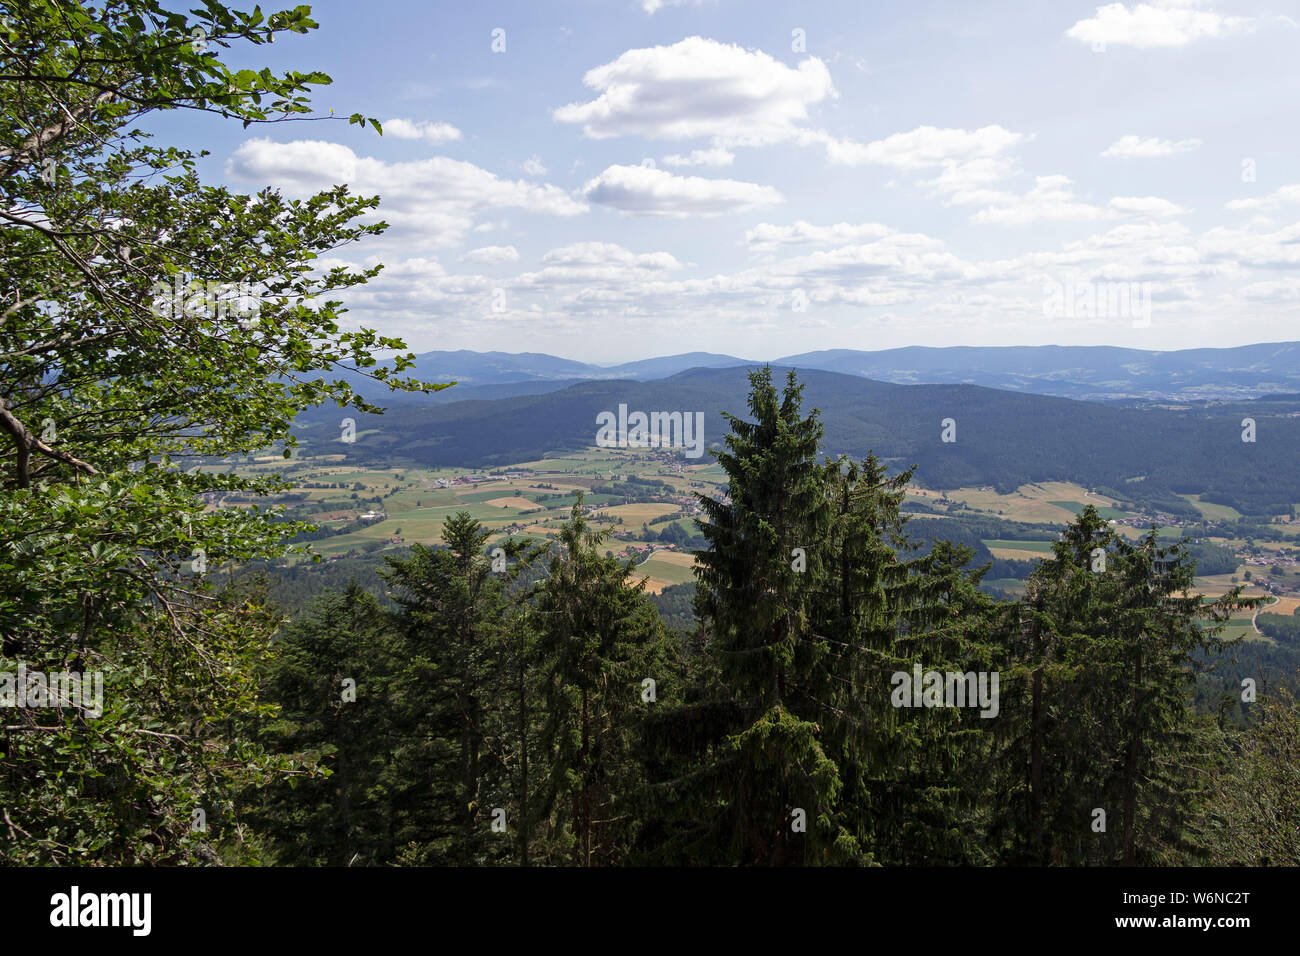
<point x="645" y="500"/>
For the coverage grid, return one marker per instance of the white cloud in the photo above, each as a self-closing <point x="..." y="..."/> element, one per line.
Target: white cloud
<point x="1277" y="290"/>
<point x="654" y="6"/>
<point x="700" y="88"/>
<point x="1246" y="247"/>
<point x="644" y="190"/>
<point x="927" y="147"/>
<point x="436" y="133"/>
<point x="606" y="266"/>
<point x="967" y="160"/>
<point x="1275" y="200"/>
<point x="1172" y="23"/>
<point x="766" y="236"/>
<point x="493" y="255"/>
<point x="608" y="253"/>
<point x="717" y="156"/>
<point x="1134" y="147"/>
<point x="1145" y="206"/>
<point x="434" y="200"/>
<point x="1052" y="199"/>
<point x="533" y="166"/>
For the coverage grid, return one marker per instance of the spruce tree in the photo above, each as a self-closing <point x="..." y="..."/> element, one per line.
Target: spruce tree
<point x="1099" y="751"/>
<point x="451" y="615"/>
<point x="596" y="639"/>
<point x="765" y="786"/>
<point x="329" y="683"/>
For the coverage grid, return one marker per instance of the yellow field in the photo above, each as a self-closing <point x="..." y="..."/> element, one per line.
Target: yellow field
<point x="638" y="513"/>
<point x="1286" y="605"/>
<point x="679" y="558"/>
<point x="1016" y="554"/>
<point x="511" y="502"/>
<point x="540" y="529"/>
<point x="1032" y="503"/>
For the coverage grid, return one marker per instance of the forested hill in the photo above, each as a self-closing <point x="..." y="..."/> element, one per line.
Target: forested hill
<point x="1003" y="438"/>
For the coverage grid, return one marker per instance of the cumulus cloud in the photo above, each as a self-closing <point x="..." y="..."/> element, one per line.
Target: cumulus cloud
<point x="608" y="253"/>
<point x="700" y="88"/>
<point x="1052" y="199"/>
<point x="1171" y="23"/>
<point x="436" y="133"/>
<point x="863" y="276"/>
<point x="717" y="156"/>
<point x="434" y="200"/>
<point x="1135" y="147"/>
<point x="493" y="255"/>
<point x="1145" y="206"/>
<point x="927" y="147"/>
<point x="766" y="236"/>
<point x="1275" y="200"/>
<point x="647" y="191"/>
<point x="533" y="166"/>
<point x="597" y="265"/>
<point x="1275" y="290"/>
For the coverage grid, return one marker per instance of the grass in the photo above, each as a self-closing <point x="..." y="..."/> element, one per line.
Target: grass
<point x="665" y="568"/>
<point x="1212" y="511"/>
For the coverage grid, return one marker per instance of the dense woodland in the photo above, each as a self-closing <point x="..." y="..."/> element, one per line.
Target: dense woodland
<point x="523" y="698"/>
<point x="537" y="711"/>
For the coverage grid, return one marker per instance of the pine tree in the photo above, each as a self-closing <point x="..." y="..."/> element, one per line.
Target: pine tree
<point x="1097" y="716"/>
<point x="330" y="682"/>
<point x="762" y="785"/>
<point x="908" y="772"/>
<point x="452" y="612"/>
<point x="596" y="638"/>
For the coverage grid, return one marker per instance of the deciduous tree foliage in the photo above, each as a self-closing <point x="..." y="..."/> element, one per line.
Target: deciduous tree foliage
<point x="110" y="390"/>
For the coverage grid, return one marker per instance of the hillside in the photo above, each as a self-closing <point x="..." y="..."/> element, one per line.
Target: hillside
<point x="1004" y="439"/>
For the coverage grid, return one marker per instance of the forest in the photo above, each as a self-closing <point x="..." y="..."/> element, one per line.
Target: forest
<point x="557" y="722"/>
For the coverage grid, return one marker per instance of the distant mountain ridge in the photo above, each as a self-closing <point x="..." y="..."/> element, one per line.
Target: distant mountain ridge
<point x="1003" y="438"/>
<point x="1095" y="373"/>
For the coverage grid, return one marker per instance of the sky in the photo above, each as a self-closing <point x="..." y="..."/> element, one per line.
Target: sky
<point x="610" y="180"/>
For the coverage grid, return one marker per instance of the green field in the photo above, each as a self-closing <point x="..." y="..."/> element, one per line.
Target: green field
<point x="1212" y="511"/>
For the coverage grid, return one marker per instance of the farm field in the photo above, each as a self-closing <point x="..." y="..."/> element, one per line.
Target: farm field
<point x="664" y="568"/>
<point x="410" y="505"/>
<point x="1019" y="550"/>
<point x="403" y="504"/>
<point x="1212" y="511"/>
<point x="1052" y="502"/>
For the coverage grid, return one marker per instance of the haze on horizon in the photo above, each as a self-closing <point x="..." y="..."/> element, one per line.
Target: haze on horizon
<point x="614" y="181"/>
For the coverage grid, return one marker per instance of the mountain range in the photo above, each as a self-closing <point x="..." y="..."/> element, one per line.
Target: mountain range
<point x="1094" y="373"/>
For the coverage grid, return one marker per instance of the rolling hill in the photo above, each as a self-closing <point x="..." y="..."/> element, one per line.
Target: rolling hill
<point x="1004" y="438"/>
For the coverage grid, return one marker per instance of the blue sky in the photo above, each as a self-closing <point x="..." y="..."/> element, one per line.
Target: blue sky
<point x="631" y="178"/>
